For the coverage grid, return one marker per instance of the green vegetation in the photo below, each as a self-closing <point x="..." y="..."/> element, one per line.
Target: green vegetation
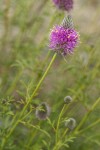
<point x="28" y="77"/>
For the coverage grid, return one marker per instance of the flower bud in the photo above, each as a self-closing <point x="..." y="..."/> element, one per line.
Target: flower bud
<point x="42" y="111"/>
<point x="68" y="99"/>
<point x="70" y="123"/>
<point x="68" y="22"/>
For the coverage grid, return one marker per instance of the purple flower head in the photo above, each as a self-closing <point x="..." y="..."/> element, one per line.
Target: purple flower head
<point x="63" y="40"/>
<point x="66" y="5"/>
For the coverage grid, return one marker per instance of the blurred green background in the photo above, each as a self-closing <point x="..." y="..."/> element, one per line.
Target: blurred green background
<point x="24" y="55"/>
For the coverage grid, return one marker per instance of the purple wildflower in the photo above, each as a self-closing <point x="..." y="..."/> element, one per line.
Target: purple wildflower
<point x="66" y="5"/>
<point x="63" y="40"/>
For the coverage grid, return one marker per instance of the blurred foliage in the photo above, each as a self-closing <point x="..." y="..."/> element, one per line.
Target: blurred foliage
<point x="24" y="55"/>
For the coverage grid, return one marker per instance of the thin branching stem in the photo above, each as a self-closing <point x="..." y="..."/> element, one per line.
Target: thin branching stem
<point x="89" y="127"/>
<point x="86" y="116"/>
<point x="57" y="128"/>
<point x="29" y="100"/>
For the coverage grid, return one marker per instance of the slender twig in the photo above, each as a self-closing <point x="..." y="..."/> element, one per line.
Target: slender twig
<point x="90" y="126"/>
<point x="58" y="122"/>
<point x="86" y="116"/>
<point x="39" y="84"/>
<point x="57" y="128"/>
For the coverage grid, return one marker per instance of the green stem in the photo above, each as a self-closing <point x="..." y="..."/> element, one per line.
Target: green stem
<point x="58" y="123"/>
<point x="35" y="127"/>
<point x="90" y="126"/>
<point x="5" y="139"/>
<point x="29" y="100"/>
<point x="86" y="116"/>
<point x="39" y="84"/>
